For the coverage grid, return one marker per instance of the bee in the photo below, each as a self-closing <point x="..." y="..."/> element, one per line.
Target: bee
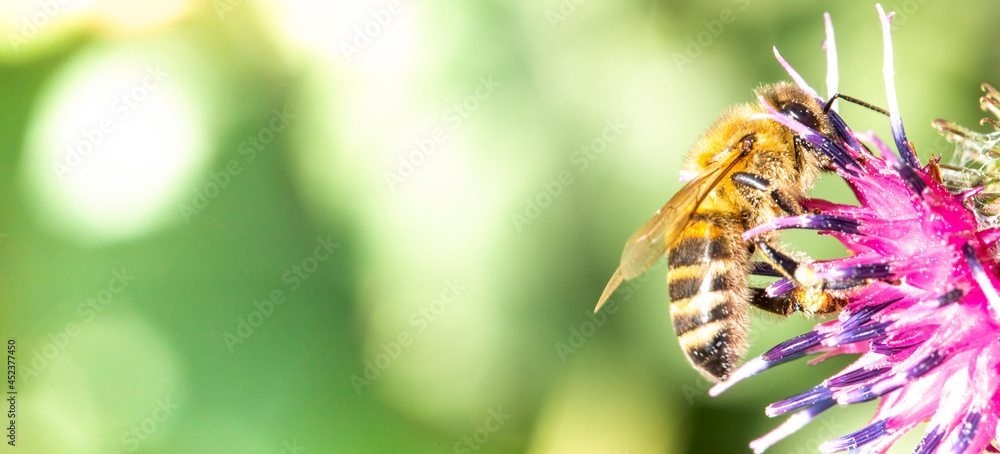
<point x="749" y="171"/>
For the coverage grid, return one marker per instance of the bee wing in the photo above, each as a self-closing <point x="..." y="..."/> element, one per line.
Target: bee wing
<point x="651" y="241"/>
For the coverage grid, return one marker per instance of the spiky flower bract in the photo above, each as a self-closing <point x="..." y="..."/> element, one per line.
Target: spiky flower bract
<point x="976" y="161"/>
<point x="921" y="284"/>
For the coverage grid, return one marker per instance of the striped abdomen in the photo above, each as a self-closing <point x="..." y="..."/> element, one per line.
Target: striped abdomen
<point x="708" y="292"/>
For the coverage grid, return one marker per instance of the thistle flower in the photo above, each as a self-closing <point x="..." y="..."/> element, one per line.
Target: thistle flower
<point x="926" y="322"/>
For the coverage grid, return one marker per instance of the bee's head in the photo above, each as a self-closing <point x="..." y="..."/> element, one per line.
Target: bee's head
<point x="793" y="101"/>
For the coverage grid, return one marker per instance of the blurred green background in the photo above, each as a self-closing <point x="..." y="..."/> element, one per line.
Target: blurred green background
<point x="381" y="226"/>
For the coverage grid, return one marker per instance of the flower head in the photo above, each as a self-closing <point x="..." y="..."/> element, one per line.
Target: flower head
<point x="923" y="312"/>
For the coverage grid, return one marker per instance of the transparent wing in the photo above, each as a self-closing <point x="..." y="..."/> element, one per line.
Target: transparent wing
<point x="651" y="241"/>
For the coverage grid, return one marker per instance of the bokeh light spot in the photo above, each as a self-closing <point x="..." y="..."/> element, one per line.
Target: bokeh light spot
<point x="112" y="144"/>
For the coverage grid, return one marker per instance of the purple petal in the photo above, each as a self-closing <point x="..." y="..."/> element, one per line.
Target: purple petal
<point x="889" y="384"/>
<point x="913" y="181"/>
<point x="780" y="287"/>
<point x="930" y="441"/>
<point x="882" y="348"/>
<point x="925" y="365"/>
<point x="832" y="72"/>
<point x="806" y="399"/>
<point x="902" y="340"/>
<point x="895" y="121"/>
<point x="751" y="368"/>
<point x="949" y="297"/>
<point x="794" y="423"/>
<point x="967" y="432"/>
<point x="795" y="76"/>
<point x="866" y="313"/>
<point x="841" y="127"/>
<point x="840" y="156"/>
<point x="793" y="348"/>
<point x="862" y="437"/>
<point x="855" y="376"/>
<point x="857" y="396"/>
<point x="910" y="177"/>
<point x="844" y="284"/>
<point x="810" y="222"/>
<point x="862" y="271"/>
<point x="860" y="333"/>
<point x="872" y="391"/>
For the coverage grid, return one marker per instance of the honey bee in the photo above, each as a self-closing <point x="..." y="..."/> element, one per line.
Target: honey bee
<point x="749" y="171"/>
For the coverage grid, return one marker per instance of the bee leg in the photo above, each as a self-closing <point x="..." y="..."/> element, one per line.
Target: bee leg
<point x="782" y="305"/>
<point x="757" y="182"/>
<point x="763" y="268"/>
<point x="787" y="203"/>
<point x="803" y="276"/>
<point x="810" y="302"/>
<point x="810" y="297"/>
<point x="815" y="302"/>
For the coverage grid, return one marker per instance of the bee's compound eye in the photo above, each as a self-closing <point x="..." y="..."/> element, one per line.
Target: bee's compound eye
<point x="800" y="113"/>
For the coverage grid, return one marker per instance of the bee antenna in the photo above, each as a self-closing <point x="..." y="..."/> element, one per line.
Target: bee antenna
<point x="857" y="101"/>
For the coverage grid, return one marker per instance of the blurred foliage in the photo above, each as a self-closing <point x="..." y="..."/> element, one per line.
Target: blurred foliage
<point x="382" y="226"/>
